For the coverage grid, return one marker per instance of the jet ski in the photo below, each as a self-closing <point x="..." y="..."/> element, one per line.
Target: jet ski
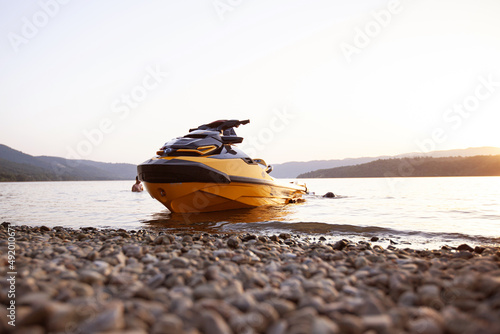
<point x="204" y="171"/>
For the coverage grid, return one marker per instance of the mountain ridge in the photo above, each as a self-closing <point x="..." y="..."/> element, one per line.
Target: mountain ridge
<point x="417" y="166"/>
<point x="18" y="166"/>
<point x="292" y="169"/>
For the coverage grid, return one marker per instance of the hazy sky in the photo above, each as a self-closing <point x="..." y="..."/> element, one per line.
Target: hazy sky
<point x="113" y="80"/>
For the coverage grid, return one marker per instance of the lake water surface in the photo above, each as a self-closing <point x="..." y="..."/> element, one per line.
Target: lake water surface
<point x="410" y="212"/>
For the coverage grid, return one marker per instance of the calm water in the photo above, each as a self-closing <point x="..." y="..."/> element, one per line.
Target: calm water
<point x="413" y="212"/>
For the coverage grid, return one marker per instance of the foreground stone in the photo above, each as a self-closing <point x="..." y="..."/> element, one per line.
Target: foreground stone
<point x="117" y="281"/>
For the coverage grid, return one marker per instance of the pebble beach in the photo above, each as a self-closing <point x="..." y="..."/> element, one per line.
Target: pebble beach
<point x="92" y="280"/>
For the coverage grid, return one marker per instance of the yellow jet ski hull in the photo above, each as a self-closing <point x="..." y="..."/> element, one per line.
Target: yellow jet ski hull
<point x="207" y="197"/>
<point x="225" y="184"/>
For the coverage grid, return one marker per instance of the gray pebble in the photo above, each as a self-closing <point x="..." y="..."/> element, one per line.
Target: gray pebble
<point x="213" y="323"/>
<point x="233" y="242"/>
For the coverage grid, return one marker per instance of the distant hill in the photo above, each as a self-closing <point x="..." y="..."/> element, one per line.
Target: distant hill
<point x="294" y="168"/>
<point x="18" y="166"/>
<point x="480" y="165"/>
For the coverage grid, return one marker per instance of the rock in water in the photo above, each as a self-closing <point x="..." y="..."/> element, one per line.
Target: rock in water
<point x="340" y="245"/>
<point x="465" y="247"/>
<point x="285" y="236"/>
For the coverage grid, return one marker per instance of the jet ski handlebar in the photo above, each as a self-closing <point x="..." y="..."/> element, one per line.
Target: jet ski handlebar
<point x="221" y="125"/>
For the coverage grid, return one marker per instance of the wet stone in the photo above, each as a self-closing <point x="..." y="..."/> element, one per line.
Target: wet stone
<point x="82" y="236"/>
<point x="285" y="236"/>
<point x="179" y="262"/>
<point x="213" y="323"/>
<point x="209" y="290"/>
<point x="274" y="238"/>
<point x="360" y="262"/>
<point x="111" y="318"/>
<point x="168" y="324"/>
<point x="263" y="239"/>
<point x="340" y="245"/>
<point x="161" y="240"/>
<point x="465" y="247"/>
<point x="61" y="315"/>
<point x="408" y="299"/>
<point x="148" y="258"/>
<point x="248" y="237"/>
<point x="187" y="239"/>
<point x="323" y="325"/>
<point x="133" y="251"/>
<point x="479" y="249"/>
<point x="233" y="242"/>
<point x="379" y="323"/>
<point x="282" y="306"/>
<point x="91" y="277"/>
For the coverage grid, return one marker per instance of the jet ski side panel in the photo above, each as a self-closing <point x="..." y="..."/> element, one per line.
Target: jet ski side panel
<point x="199" y="169"/>
<point x="176" y="170"/>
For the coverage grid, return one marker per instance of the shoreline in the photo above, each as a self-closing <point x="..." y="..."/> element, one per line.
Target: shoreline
<point x="146" y="281"/>
<point x="303" y="231"/>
